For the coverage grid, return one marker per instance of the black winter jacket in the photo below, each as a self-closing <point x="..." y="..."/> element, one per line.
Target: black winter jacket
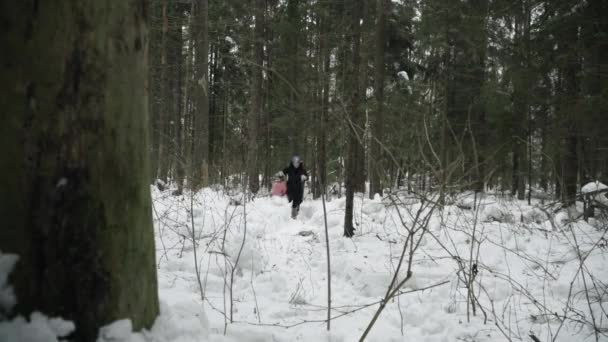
<point x="295" y="185"/>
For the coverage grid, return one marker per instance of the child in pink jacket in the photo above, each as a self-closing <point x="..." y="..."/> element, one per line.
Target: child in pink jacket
<point x="279" y="187"/>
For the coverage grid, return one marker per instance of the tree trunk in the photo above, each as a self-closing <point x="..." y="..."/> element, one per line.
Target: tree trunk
<point x="200" y="159"/>
<point x="174" y="61"/>
<point x="74" y="172"/>
<point x="165" y="99"/>
<point x="376" y="159"/>
<point x="155" y="44"/>
<point x="479" y="9"/>
<point x="570" y="92"/>
<point x="326" y="76"/>
<point x="292" y="48"/>
<point x="256" y="98"/>
<point x="360" y="111"/>
<point x="521" y="84"/>
<point x="182" y="125"/>
<point x="353" y="142"/>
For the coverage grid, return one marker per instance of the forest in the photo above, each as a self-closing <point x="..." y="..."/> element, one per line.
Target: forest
<point x="470" y="95"/>
<point x="445" y="163"/>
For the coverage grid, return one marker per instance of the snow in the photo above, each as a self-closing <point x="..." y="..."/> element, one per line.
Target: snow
<point x="39" y="328"/>
<point x="496" y="213"/>
<point x="263" y="275"/>
<point x="403" y="74"/>
<point x="593" y="186"/>
<point x="527" y="262"/>
<point x="120" y="330"/>
<point x="182" y="322"/>
<point x="597" y="186"/>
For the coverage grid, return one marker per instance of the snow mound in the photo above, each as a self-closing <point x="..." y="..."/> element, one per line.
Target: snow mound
<point x="182" y="322"/>
<point x="39" y="328"/>
<point x="120" y="330"/>
<point x="372" y="208"/>
<point x="250" y="258"/>
<point x="534" y="215"/>
<point x="593" y="187"/>
<point x="496" y="212"/>
<point x="562" y="218"/>
<point x="466" y="200"/>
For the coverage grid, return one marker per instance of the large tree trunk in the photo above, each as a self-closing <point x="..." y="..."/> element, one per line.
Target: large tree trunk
<point x="256" y="98"/>
<point x="200" y="158"/>
<point x="376" y="160"/>
<point x="74" y="168"/>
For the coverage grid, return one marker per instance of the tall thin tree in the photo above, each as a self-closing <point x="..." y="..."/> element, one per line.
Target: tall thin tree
<point x="200" y="160"/>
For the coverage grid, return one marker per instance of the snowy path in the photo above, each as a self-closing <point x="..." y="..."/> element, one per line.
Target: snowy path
<point x="280" y="280"/>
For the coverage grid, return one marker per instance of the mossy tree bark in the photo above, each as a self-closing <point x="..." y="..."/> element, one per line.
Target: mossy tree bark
<point x="75" y="169"/>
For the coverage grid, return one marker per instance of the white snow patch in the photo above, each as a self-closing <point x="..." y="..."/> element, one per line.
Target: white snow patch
<point x="39" y="328"/>
<point x="180" y="322"/>
<point x="496" y="212"/>
<point x="118" y="331"/>
<point x="593" y="186"/>
<point x="403" y="74"/>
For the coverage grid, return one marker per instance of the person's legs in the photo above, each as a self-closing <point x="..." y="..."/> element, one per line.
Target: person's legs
<point x="294" y="211"/>
<point x="295" y="207"/>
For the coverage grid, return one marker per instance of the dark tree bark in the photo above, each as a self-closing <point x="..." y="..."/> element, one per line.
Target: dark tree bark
<point x="569" y="95"/>
<point x="570" y="155"/>
<point x="155" y="43"/>
<point x="521" y="84"/>
<point x="376" y="159"/>
<point x="200" y="158"/>
<point x="353" y="142"/>
<point x="292" y="47"/>
<point x="74" y="172"/>
<point x="359" y="113"/>
<point x="180" y="92"/>
<point x="325" y="79"/>
<point x="256" y="97"/>
<point x="164" y="100"/>
<point x="174" y="46"/>
<point x="479" y="10"/>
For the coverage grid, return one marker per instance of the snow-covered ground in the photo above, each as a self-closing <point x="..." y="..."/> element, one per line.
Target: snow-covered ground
<point x="539" y="274"/>
<point x="267" y="273"/>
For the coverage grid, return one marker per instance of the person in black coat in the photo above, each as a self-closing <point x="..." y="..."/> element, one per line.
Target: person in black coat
<point x="296" y="176"/>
